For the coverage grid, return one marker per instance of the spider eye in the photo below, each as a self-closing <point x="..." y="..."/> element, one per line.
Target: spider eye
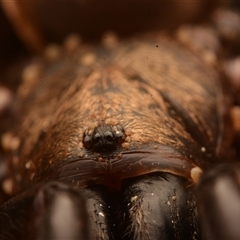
<point x="97" y="138"/>
<point x="120" y="136"/>
<point x="104" y="138"/>
<point x="87" y="141"/>
<point x="109" y="137"/>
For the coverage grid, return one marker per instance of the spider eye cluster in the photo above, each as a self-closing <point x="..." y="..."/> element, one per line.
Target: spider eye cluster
<point x="104" y="138"/>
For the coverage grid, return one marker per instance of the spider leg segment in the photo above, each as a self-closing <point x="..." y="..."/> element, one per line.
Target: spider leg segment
<point x="218" y="196"/>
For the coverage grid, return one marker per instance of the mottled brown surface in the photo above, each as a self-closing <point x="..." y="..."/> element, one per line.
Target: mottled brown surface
<point x="168" y="102"/>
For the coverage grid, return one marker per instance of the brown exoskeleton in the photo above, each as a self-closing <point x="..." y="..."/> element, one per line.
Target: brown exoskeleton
<point x="131" y="118"/>
<point x="111" y="139"/>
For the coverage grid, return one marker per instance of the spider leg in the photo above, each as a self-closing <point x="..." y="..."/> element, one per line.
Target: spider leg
<point x="218" y="196"/>
<point x="48" y="211"/>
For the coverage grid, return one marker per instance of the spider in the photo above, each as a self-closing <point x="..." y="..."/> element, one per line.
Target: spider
<point x="124" y="139"/>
